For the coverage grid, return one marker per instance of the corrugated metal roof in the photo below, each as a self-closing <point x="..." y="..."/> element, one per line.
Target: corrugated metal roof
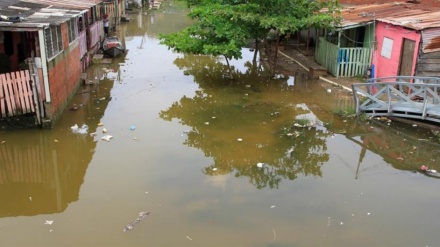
<point x="408" y="15"/>
<point x="40" y="13"/>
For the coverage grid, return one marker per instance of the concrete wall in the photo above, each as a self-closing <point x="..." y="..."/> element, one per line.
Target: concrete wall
<point x="390" y="66"/>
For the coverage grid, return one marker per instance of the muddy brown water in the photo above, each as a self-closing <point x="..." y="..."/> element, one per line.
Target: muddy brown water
<point x="215" y="162"/>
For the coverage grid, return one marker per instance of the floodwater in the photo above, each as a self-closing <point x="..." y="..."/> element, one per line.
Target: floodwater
<point x="254" y="161"/>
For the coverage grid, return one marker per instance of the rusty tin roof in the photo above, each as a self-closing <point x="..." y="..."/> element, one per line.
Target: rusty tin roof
<point x="41" y="13"/>
<point x="409" y="15"/>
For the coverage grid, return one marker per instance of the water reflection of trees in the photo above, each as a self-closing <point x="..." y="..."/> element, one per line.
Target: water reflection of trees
<point x="223" y="111"/>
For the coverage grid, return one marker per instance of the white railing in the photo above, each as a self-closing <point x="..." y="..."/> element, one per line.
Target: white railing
<point x="404" y="96"/>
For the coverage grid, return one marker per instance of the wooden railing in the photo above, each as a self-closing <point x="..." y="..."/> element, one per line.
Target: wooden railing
<point x="343" y="62"/>
<point x="404" y="96"/>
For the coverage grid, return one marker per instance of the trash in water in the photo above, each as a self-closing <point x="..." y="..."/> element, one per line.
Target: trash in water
<point x="206" y="123"/>
<point x="214" y="169"/>
<point x="273" y="206"/>
<point x="132" y="224"/>
<point x="100" y="124"/>
<point x="329" y="90"/>
<point x="132" y="127"/>
<point x="189" y="238"/>
<point x="260" y="165"/>
<point x="3" y="142"/>
<point x="83" y="130"/>
<point x="239" y="139"/>
<point x="107" y="138"/>
<point x="56" y="140"/>
<point x="104" y="130"/>
<point x="48" y="222"/>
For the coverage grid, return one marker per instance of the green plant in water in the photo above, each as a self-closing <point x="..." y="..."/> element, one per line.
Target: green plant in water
<point x="436" y="134"/>
<point x="302" y="122"/>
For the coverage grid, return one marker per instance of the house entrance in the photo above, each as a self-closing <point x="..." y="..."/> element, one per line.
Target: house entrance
<point x="407" y="57"/>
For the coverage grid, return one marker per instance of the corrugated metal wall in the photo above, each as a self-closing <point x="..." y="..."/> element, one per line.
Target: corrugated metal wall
<point x="428" y="62"/>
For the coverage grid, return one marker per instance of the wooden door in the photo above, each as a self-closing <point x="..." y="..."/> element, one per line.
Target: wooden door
<point x="407" y="57"/>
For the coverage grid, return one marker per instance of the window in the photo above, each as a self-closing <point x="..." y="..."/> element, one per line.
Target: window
<point x="54" y="42"/>
<point x="72" y="30"/>
<point x="387" y="47"/>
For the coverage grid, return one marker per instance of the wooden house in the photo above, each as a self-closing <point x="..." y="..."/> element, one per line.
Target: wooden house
<point x="380" y="40"/>
<point x="45" y="45"/>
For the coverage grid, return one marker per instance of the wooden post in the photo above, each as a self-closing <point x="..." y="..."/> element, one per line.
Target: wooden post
<point x="36" y="101"/>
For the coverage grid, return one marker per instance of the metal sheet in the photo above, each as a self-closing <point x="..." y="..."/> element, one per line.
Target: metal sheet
<point x="431" y="40"/>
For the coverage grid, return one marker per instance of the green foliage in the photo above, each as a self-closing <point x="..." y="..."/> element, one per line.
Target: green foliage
<point x="223" y="27"/>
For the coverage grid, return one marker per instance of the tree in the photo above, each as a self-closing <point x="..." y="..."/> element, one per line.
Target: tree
<point x="224" y="27"/>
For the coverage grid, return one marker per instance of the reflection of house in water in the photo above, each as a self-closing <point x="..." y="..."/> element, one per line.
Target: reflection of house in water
<point x="403" y="151"/>
<point x="42" y="172"/>
<point x="42" y="176"/>
<point x="45" y="46"/>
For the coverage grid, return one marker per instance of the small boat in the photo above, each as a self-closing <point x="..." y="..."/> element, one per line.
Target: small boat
<point x="112" y="46"/>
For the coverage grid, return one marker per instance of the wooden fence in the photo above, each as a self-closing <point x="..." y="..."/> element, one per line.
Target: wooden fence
<point x="343" y="62"/>
<point x="16" y="94"/>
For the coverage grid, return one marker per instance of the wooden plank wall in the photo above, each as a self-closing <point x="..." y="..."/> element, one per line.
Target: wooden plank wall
<point x="16" y="97"/>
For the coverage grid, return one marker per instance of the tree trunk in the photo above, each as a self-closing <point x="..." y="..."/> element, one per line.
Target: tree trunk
<point x="257" y="48"/>
<point x="229" y="68"/>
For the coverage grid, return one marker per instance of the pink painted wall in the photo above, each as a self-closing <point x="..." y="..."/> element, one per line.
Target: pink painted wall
<point x="384" y="66"/>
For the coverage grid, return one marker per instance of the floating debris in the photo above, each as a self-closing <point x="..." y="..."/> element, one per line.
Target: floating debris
<point x="206" y="123"/>
<point x="104" y="130"/>
<point x="48" y="222"/>
<point x="107" y="138"/>
<point x="260" y="165"/>
<point x="3" y="142"/>
<point x="239" y="139"/>
<point x="132" y="127"/>
<point x="189" y="238"/>
<point x="273" y="206"/>
<point x="132" y="224"/>
<point x="329" y="90"/>
<point x="214" y="169"/>
<point x="77" y="130"/>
